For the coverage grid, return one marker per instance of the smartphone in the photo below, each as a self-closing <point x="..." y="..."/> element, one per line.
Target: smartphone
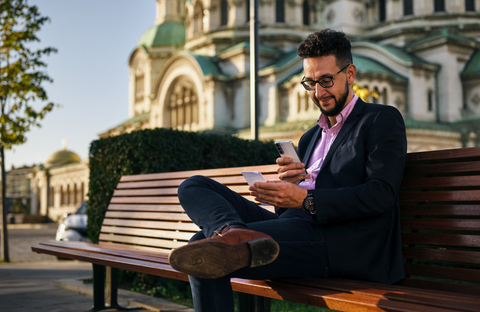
<point x="253" y="176"/>
<point x="286" y="148"/>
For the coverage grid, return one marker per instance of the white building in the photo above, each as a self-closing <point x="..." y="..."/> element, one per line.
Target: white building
<point x="190" y="70"/>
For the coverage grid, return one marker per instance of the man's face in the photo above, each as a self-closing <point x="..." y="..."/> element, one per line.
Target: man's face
<point x="331" y="100"/>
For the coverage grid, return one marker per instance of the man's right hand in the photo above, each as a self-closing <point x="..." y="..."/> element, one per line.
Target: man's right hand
<point x="289" y="171"/>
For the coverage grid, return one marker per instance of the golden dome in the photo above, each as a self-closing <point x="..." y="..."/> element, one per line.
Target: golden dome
<point x="62" y="157"/>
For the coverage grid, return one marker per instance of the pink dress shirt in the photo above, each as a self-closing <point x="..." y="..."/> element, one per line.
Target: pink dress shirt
<point x="325" y="142"/>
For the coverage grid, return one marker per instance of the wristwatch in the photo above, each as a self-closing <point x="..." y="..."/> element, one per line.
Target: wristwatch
<point x="309" y="202"/>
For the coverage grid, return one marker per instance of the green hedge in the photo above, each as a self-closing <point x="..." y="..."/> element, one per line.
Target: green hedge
<point x="162" y="150"/>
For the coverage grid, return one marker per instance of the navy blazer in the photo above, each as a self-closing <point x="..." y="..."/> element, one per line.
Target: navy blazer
<point x="356" y="193"/>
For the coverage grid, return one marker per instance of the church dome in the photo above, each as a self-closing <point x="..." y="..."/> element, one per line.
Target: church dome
<point x="62" y="157"/>
<point x="169" y="33"/>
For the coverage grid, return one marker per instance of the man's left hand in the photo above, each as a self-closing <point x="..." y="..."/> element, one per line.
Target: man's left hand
<point x="279" y="194"/>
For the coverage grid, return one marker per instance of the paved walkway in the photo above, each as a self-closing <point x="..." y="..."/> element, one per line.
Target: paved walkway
<point x="41" y="283"/>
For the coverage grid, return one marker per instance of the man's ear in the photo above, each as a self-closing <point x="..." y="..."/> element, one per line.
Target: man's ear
<point x="351" y="73"/>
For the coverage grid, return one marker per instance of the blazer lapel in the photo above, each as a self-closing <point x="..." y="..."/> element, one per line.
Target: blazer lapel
<point x="311" y="146"/>
<point x="352" y="119"/>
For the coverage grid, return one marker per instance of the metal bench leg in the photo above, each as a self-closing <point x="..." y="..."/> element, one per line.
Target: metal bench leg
<point x="253" y="303"/>
<point x="112" y="289"/>
<point x="98" y="287"/>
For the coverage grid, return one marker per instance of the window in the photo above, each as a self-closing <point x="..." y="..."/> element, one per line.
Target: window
<point x="408" y="7"/>
<point x="51" y="193"/>
<point x="299" y="102"/>
<point x="430" y="101"/>
<point x="306" y="13"/>
<point x="247" y="12"/>
<point x="439" y="6"/>
<point x="470" y="5"/>
<point x="307" y="101"/>
<point x="375" y="99"/>
<point x="385" y="96"/>
<point x="224" y="13"/>
<point x="198" y="19"/>
<point x="280" y="11"/>
<point x="183" y="105"/>
<point x="139" y="88"/>
<point x="382" y="10"/>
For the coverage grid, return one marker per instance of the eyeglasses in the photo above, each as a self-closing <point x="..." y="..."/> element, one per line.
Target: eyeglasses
<point x="325" y="82"/>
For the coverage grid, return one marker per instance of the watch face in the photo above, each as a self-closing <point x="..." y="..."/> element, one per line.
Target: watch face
<point x="308" y="204"/>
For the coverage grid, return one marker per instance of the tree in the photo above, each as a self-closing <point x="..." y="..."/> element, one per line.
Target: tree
<point x="21" y="79"/>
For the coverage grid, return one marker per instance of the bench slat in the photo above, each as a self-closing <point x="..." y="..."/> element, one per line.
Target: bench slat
<point x="146" y="233"/>
<point x="184" y="226"/>
<point x="440" y="210"/>
<point x="441" y="239"/>
<point x="441" y="182"/>
<point x="458" y="256"/>
<point x="140" y="241"/>
<point x="444" y="272"/>
<point x="206" y="172"/>
<point x="148" y="215"/>
<point x="443" y="286"/>
<point x="167" y="191"/>
<point x="137" y="207"/>
<point x="232" y="180"/>
<point x="145" y="200"/>
<point x="440" y="196"/>
<point x="470" y="167"/>
<point x="444" y="155"/>
<point x="441" y="224"/>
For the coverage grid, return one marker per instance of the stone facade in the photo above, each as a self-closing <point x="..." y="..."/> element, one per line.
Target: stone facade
<point x="191" y="70"/>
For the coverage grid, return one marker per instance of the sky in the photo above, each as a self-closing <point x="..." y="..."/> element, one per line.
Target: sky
<point x="94" y="39"/>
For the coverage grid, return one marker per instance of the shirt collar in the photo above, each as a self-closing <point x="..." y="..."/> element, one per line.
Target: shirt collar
<point x="323" y="122"/>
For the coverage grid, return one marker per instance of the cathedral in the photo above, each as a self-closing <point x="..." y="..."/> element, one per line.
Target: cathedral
<point x="191" y="70"/>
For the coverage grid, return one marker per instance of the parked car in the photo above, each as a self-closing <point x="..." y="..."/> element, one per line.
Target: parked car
<point x="74" y="227"/>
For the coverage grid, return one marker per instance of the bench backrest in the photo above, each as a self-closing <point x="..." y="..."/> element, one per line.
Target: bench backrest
<point x="440" y="207"/>
<point x="145" y="212"/>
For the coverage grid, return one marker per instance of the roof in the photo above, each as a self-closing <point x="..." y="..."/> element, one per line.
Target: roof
<point x="368" y="65"/>
<point x="473" y="65"/>
<point x="169" y="33"/>
<point x="62" y="157"/>
<point x="443" y="34"/>
<point x="206" y="63"/>
<point x="245" y="45"/>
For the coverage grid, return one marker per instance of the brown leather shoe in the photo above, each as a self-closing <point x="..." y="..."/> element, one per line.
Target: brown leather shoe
<point x="232" y="249"/>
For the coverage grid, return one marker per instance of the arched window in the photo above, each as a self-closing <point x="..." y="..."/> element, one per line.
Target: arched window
<point x="183" y="104"/>
<point x="470" y="5"/>
<point x="439" y="6"/>
<point x="385" y="96"/>
<point x="75" y="194"/>
<point x="430" y="100"/>
<point x="382" y="10"/>
<point x="139" y="87"/>
<point x="280" y="11"/>
<point x="306" y="13"/>
<point x="51" y="193"/>
<point x="375" y="99"/>
<point x="307" y="101"/>
<point x="407" y="7"/>
<point x="198" y="19"/>
<point x="224" y="12"/>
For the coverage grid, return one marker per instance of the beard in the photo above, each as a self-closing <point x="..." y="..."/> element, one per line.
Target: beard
<point x="339" y="104"/>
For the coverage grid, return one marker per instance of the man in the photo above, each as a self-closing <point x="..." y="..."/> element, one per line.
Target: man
<point x="341" y="220"/>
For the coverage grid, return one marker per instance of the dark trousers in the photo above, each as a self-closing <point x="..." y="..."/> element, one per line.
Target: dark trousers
<point x="211" y="205"/>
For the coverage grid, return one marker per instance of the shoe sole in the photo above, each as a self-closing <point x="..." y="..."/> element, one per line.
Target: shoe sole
<point x="216" y="259"/>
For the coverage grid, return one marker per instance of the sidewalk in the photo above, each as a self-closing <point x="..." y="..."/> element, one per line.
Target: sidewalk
<point x="56" y="286"/>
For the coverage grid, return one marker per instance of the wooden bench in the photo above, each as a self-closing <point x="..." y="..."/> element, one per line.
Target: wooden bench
<point x="440" y="207"/>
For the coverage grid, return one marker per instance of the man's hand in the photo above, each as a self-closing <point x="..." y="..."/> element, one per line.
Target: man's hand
<point x="290" y="172"/>
<point x="279" y="194"/>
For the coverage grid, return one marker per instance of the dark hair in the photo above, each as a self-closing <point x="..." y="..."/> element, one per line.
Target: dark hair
<point x="327" y="42"/>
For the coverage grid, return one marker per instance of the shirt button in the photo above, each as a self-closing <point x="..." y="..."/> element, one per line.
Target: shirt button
<point x="331" y="134"/>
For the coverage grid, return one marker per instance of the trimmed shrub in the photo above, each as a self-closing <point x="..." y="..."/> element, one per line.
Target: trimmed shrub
<point x="162" y="150"/>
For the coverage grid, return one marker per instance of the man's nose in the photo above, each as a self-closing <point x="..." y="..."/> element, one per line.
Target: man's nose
<point x="319" y="91"/>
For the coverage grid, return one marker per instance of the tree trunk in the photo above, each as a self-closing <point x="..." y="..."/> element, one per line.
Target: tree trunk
<point x="3" y="210"/>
